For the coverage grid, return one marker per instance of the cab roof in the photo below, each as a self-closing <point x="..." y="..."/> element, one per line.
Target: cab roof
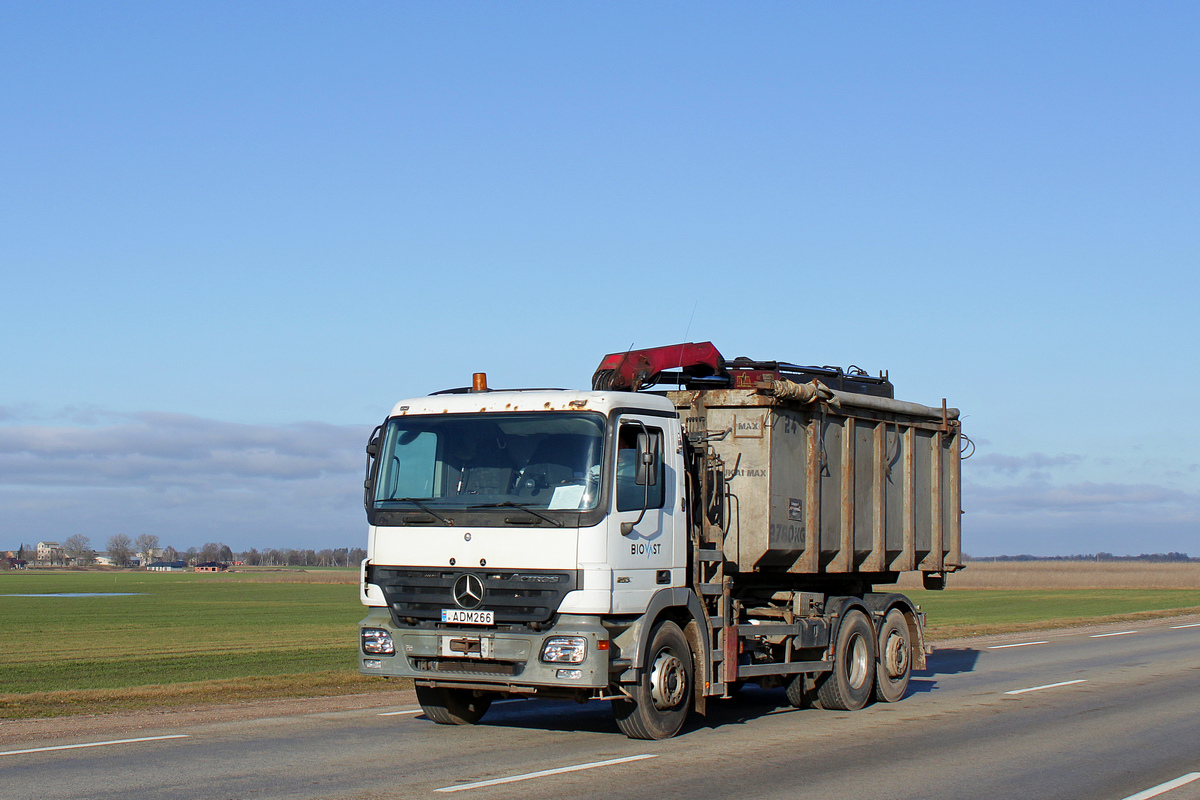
<point x="531" y="400"/>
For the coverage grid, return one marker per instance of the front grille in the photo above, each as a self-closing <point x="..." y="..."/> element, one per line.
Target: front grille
<point x="516" y="597"/>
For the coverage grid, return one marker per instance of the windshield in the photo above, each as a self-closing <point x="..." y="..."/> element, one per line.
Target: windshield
<point x="548" y="461"/>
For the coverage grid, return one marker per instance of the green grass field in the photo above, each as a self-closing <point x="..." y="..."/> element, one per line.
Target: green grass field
<point x="188" y="638"/>
<point x="177" y="629"/>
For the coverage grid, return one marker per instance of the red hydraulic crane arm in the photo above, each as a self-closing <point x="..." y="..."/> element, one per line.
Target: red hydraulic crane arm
<point x="631" y="370"/>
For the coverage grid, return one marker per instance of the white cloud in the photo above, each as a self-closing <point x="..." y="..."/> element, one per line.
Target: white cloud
<point x="1029" y="497"/>
<point x="174" y="449"/>
<point x="185" y="478"/>
<point x="1061" y="504"/>
<point x="1041" y="517"/>
<point x="999" y="462"/>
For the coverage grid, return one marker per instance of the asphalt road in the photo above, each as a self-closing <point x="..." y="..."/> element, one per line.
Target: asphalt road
<point x="1104" y="714"/>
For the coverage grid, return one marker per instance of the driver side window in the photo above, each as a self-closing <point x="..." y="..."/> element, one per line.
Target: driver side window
<point x="630" y="493"/>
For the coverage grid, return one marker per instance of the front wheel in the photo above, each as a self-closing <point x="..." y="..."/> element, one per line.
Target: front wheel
<point x="847" y="687"/>
<point x="452" y="706"/>
<point x="663" y="695"/>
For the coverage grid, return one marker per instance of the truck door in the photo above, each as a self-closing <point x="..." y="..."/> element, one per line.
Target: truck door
<point x="641" y="528"/>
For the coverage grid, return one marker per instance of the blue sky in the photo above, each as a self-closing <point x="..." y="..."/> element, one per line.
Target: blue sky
<point x="233" y="235"/>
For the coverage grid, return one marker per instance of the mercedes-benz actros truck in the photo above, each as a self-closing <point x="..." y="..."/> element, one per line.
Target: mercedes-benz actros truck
<point x="686" y="526"/>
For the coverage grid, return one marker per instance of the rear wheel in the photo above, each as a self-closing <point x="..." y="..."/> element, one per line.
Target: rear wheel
<point x="895" y="658"/>
<point x="847" y="687"/>
<point x="798" y="691"/>
<point x="452" y="706"/>
<point x="663" y="696"/>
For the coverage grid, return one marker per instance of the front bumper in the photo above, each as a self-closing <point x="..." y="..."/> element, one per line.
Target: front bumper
<point x="478" y="656"/>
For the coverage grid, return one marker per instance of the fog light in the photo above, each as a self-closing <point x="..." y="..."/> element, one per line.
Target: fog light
<point x="372" y="663"/>
<point x="564" y="650"/>
<point x="569" y="673"/>
<point x="377" y="641"/>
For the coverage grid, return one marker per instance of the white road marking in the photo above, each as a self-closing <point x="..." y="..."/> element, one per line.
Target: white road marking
<point x="1118" y="633"/>
<point x="544" y="773"/>
<point x="1192" y="625"/>
<point x="1047" y="686"/>
<point x="1162" y="788"/>
<point x="93" y="744"/>
<point x="1021" y="644"/>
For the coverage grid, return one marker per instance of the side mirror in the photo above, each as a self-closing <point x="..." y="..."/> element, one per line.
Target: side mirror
<point x="647" y="474"/>
<point x="372" y="455"/>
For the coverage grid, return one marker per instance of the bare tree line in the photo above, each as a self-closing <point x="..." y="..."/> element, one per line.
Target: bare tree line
<point x="122" y="551"/>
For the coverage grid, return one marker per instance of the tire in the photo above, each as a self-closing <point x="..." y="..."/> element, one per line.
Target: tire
<point x="798" y="691"/>
<point x="848" y="686"/>
<point x="895" y="658"/>
<point x="663" y="695"/>
<point x="452" y="706"/>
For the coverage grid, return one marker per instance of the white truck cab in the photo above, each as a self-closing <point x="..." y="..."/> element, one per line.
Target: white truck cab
<point x="506" y="529"/>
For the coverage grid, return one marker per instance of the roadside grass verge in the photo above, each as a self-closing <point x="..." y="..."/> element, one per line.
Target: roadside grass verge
<point x="176" y="696"/>
<point x="168" y="629"/>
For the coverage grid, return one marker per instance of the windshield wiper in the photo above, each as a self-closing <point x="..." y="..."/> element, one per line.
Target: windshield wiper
<point x="423" y="507"/>
<point x="526" y="509"/>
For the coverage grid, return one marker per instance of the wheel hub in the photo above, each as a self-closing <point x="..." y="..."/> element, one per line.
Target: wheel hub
<point x="858" y="662"/>
<point x="895" y="656"/>
<point x="668" y="680"/>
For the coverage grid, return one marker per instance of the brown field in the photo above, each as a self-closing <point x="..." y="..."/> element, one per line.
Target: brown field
<point x="1067" y="575"/>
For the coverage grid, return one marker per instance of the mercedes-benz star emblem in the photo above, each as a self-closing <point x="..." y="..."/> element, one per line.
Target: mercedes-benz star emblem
<point x="468" y="591"/>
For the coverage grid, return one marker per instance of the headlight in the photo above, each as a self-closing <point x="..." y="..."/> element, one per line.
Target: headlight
<point x="564" y="650"/>
<point x="377" y="641"/>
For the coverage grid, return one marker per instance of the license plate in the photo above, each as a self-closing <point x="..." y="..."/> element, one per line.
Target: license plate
<point x="460" y="616"/>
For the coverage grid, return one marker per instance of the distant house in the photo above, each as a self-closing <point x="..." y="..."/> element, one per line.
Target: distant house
<point x="13" y="562"/>
<point x="211" y="566"/>
<point x="48" y="552"/>
<point x="167" y="566"/>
